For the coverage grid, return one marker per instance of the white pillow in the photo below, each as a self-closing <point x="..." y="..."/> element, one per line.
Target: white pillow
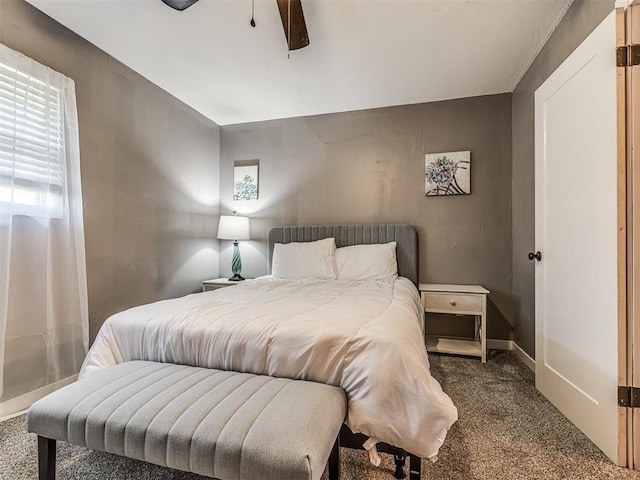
<point x="367" y="262"/>
<point x="304" y="260"/>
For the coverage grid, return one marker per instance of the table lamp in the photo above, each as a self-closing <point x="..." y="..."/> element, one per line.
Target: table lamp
<point x="234" y="227"/>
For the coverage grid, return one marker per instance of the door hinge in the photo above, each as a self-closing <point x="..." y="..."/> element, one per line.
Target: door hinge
<point x="628" y="55"/>
<point x="628" y="397"/>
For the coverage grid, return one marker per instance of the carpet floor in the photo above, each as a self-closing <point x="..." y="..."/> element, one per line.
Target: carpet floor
<point x="506" y="430"/>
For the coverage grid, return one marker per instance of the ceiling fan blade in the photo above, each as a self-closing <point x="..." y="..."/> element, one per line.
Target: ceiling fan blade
<point x="298" y="28"/>
<point x="180" y="4"/>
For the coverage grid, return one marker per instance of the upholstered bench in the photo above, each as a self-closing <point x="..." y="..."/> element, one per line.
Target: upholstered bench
<point x="225" y="425"/>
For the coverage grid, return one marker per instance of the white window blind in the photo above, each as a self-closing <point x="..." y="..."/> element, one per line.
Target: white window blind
<point x="32" y="156"/>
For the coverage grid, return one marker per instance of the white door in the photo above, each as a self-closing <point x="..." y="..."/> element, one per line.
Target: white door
<point x="576" y="221"/>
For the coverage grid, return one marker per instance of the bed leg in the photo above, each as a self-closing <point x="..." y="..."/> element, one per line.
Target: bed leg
<point x="400" y="461"/>
<point x="415" y="464"/>
<point x="46" y="458"/>
<point x="334" y="461"/>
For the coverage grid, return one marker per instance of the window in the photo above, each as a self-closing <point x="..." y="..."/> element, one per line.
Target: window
<point x="43" y="277"/>
<point x="32" y="156"/>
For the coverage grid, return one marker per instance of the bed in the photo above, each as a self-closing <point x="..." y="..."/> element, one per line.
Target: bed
<point x="364" y="336"/>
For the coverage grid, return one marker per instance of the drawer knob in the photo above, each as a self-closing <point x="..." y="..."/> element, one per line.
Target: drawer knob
<point x="453" y="303"/>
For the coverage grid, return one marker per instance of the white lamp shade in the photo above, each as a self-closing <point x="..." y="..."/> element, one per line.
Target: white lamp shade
<point x="233" y="227"/>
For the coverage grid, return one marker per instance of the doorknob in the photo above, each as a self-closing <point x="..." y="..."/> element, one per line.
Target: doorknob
<point x="537" y="256"/>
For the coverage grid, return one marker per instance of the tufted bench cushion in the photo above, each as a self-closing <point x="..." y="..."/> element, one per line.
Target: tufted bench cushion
<point x="220" y="424"/>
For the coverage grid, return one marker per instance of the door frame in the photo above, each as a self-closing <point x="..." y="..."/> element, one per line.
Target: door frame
<point x="628" y="112"/>
<point x="625" y="446"/>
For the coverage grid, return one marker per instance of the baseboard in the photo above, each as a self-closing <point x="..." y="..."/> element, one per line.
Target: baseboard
<point x="16" y="414"/>
<point x="524" y="356"/>
<point x="17" y="406"/>
<point x="496" y="344"/>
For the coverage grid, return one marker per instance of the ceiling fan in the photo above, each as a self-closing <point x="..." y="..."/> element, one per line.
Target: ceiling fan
<point x="291" y="14"/>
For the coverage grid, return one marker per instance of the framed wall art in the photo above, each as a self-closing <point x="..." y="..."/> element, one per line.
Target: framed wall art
<point x="245" y="180"/>
<point x="447" y="173"/>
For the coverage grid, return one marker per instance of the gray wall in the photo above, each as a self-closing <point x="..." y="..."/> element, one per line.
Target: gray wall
<point x="150" y="171"/>
<point x="579" y="21"/>
<point x="151" y="167"/>
<point x="368" y="167"/>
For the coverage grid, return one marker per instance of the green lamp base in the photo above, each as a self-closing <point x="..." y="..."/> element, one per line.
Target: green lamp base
<point x="236" y="264"/>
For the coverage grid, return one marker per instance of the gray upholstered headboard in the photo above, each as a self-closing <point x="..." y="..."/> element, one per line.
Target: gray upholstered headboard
<point x="405" y="236"/>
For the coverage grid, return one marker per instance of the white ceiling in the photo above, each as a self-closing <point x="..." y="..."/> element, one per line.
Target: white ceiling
<point x="363" y="53"/>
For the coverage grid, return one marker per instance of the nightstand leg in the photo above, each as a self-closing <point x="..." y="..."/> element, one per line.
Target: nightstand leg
<point x="483" y="329"/>
<point x="477" y="328"/>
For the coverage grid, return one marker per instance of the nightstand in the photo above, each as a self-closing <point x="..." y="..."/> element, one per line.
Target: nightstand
<point x="217" y="283"/>
<point x="457" y="300"/>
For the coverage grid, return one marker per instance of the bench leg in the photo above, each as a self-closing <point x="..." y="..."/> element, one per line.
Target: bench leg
<point x="334" y="461"/>
<point x="400" y="460"/>
<point x="46" y="458"/>
<point x="415" y="463"/>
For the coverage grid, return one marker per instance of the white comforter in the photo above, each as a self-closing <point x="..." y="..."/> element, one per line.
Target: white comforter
<point x="363" y="336"/>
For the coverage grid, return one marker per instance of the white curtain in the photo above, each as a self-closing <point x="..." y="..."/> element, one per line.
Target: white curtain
<point x="43" y="286"/>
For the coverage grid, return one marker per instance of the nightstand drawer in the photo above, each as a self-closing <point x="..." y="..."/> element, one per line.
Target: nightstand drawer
<point x="452" y="302"/>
